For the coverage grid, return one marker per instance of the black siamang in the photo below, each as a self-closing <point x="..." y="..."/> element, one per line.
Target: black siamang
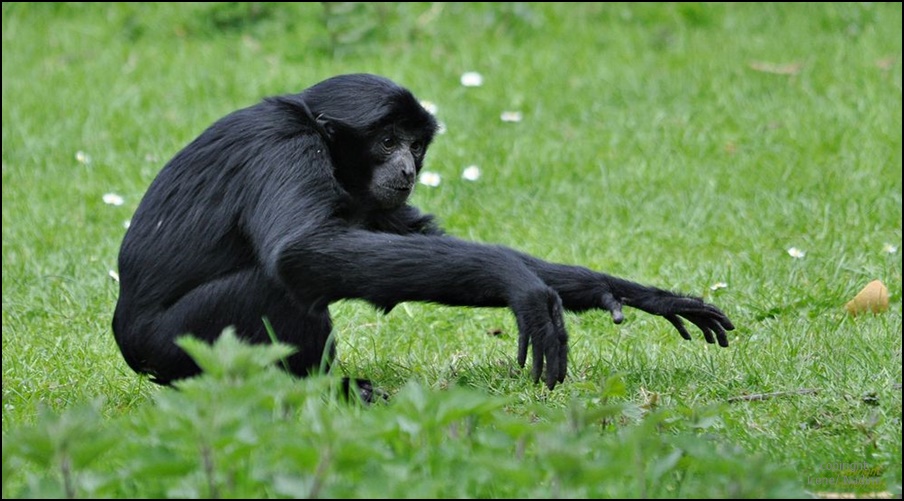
<point x="281" y="208"/>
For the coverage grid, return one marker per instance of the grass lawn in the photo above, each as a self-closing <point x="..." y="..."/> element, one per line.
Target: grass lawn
<point x="748" y="153"/>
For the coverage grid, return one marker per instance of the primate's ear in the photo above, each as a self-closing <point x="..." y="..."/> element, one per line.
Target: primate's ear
<point x="323" y="125"/>
<point x="326" y="126"/>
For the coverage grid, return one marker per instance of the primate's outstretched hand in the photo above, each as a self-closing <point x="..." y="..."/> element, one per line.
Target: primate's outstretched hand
<point x="673" y="307"/>
<point x="542" y="327"/>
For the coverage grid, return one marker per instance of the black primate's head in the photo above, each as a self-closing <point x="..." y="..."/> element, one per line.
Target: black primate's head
<point x="378" y="134"/>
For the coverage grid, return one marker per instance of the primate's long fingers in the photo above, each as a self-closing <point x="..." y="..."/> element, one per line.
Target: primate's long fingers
<point x="721" y="335"/>
<point x="707" y="333"/>
<point x="538" y="359"/>
<point x="717" y="315"/>
<point x="557" y="361"/>
<point x="563" y="357"/>
<point x="552" y="366"/>
<point x="724" y="321"/>
<point x="523" y="342"/>
<point x="710" y="326"/>
<point x="676" y="321"/>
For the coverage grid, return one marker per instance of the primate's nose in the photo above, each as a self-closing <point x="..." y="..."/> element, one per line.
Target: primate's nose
<point x="409" y="171"/>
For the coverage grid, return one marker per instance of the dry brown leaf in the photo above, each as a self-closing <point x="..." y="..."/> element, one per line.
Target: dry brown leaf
<point x="873" y="297"/>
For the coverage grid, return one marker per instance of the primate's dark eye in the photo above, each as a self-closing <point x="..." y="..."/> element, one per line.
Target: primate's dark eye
<point x="417" y="147"/>
<point x="388" y="142"/>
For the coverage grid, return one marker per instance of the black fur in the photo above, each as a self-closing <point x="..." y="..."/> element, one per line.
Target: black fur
<point x="282" y="208"/>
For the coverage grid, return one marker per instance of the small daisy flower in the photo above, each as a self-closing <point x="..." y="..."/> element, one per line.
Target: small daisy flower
<point x="82" y="157"/>
<point x="889" y="248"/>
<point x="471" y="79"/>
<point x="113" y="275"/>
<point x="429" y="178"/>
<point x="113" y="199"/>
<point x="511" y="116"/>
<point x="440" y="128"/>
<point x="430" y="106"/>
<point x="796" y="253"/>
<point x="718" y="285"/>
<point x="127" y="223"/>
<point x="471" y="173"/>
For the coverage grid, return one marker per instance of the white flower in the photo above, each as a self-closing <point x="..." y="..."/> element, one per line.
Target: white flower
<point x="718" y="285"/>
<point x="429" y="178"/>
<point x="113" y="275"/>
<point x="471" y="173"/>
<point x="796" y="253"/>
<point x="471" y="79"/>
<point x="511" y="116"/>
<point x="82" y="157"/>
<point x="113" y="199"/>
<point x="889" y="248"/>
<point x="127" y="223"/>
<point x="441" y="127"/>
<point x="430" y="106"/>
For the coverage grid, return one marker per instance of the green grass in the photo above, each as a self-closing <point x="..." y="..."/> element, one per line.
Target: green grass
<point x="653" y="147"/>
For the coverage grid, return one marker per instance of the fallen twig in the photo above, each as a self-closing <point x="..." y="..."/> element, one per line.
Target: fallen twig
<point x="763" y="396"/>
